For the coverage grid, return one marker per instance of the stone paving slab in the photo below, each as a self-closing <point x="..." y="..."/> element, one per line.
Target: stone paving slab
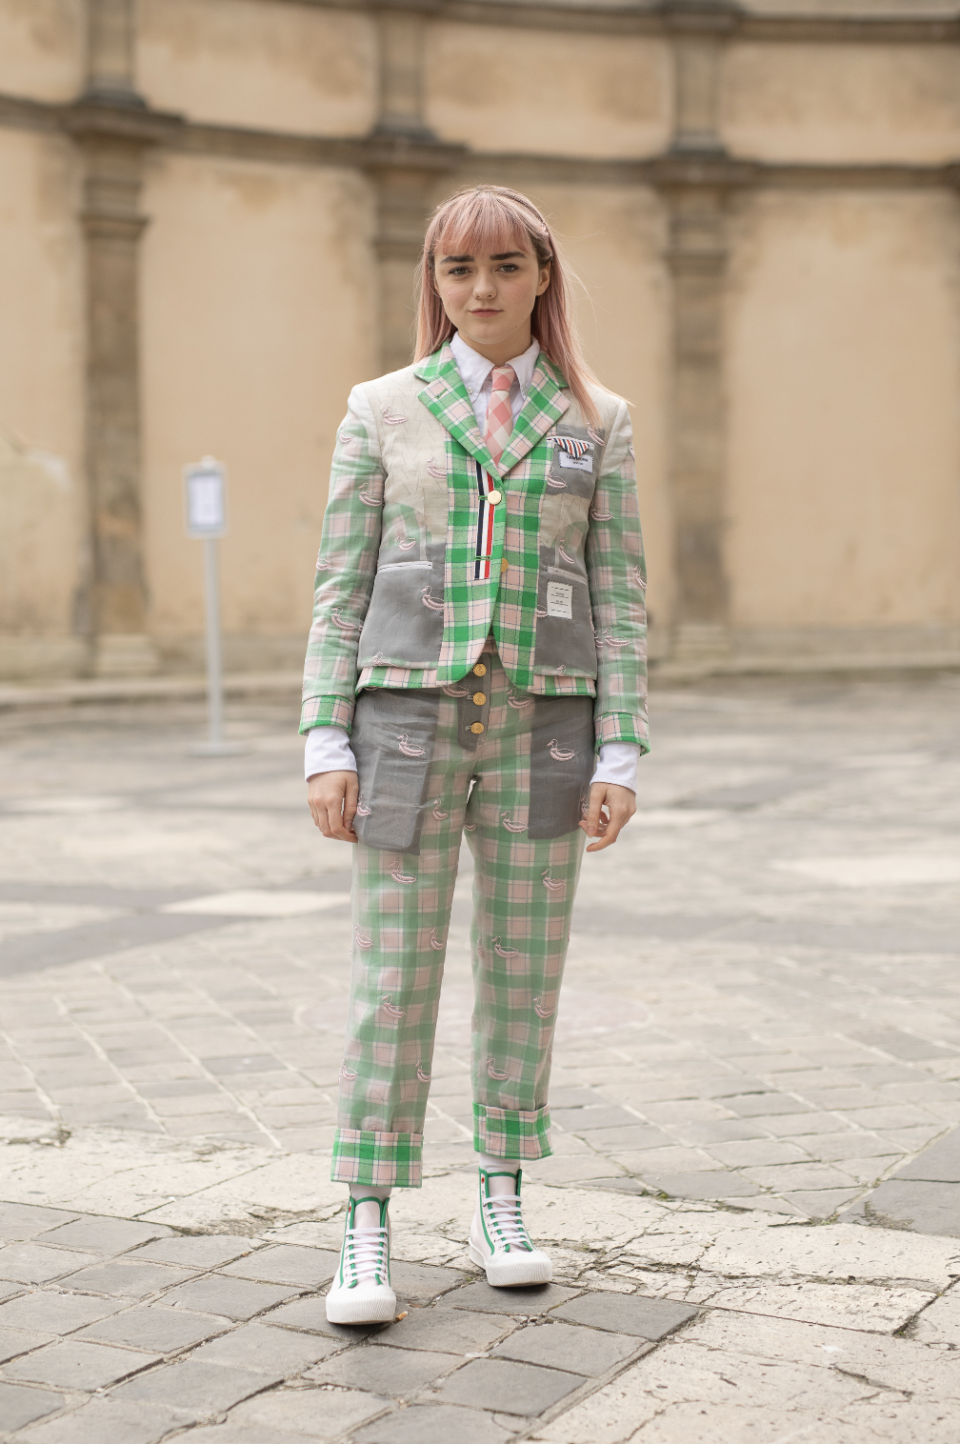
<point x="752" y="1043"/>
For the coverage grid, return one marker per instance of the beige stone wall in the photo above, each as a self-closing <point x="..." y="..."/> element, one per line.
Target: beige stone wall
<point x="41" y="432"/>
<point x="257" y="63"/>
<point x="821" y="102"/>
<point x="41" y="48"/>
<point x="844" y="374"/>
<point x="787" y="332"/>
<point x="259" y="303"/>
<point x="596" y="95"/>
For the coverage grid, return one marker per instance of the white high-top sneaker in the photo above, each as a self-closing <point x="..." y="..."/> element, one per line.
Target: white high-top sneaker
<point x="361" y="1292"/>
<point x="499" y="1242"/>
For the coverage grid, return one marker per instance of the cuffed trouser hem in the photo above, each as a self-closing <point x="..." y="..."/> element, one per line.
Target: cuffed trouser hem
<point x="384" y="1160"/>
<point x="509" y="1133"/>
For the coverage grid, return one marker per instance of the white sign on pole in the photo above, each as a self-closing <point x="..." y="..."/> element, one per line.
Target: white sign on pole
<point x="205" y="499"/>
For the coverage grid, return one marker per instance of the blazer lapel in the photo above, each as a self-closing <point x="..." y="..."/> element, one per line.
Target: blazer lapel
<point x="546" y="401"/>
<point x="446" y="396"/>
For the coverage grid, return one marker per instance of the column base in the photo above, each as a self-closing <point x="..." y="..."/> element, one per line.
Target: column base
<point x="125" y="655"/>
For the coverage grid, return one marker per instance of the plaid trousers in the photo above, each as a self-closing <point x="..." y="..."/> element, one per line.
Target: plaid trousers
<point x="523" y="896"/>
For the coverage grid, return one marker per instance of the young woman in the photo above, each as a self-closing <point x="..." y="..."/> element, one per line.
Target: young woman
<point x="478" y="637"/>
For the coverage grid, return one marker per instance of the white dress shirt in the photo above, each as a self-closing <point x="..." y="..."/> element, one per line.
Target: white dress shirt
<point x="328" y="748"/>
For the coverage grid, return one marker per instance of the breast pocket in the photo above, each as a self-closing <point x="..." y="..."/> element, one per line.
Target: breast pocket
<point x="575" y="463"/>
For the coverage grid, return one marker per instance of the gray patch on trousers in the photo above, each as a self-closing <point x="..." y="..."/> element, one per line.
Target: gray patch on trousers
<point x="393" y="739"/>
<point x="562" y="763"/>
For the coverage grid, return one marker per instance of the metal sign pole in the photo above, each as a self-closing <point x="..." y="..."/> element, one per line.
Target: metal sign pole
<point x="211" y="577"/>
<point x="205" y="505"/>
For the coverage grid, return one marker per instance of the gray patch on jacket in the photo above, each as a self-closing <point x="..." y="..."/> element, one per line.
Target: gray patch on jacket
<point x="393" y="739"/>
<point x="576" y="479"/>
<point x="566" y="638"/>
<point x="404" y="621"/>
<point x="562" y="763"/>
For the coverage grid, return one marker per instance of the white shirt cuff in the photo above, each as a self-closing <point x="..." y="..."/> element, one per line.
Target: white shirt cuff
<point x="327" y="750"/>
<point x="617" y="762"/>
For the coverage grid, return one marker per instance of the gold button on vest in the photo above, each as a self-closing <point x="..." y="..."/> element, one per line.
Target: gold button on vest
<point x="480" y="670"/>
<point x="479" y="698"/>
<point x="476" y="727"/>
<point x="494" y="497"/>
<point x="504" y="565"/>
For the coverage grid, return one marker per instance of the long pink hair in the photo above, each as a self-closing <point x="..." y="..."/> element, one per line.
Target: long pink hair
<point x="490" y="219"/>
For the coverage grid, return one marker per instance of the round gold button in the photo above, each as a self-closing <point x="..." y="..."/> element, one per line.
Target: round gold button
<point x="479" y="698"/>
<point x="480" y="670"/>
<point x="494" y="497"/>
<point x="477" y="727"/>
<point x="504" y="565"/>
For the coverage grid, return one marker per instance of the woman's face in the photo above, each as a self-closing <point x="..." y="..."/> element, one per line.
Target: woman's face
<point x="489" y="298"/>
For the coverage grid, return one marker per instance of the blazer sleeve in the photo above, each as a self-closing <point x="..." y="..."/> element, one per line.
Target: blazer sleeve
<point x="346" y="566"/>
<point x="616" y="572"/>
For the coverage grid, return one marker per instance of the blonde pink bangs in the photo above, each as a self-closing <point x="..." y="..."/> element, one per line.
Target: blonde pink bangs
<point x="485" y="220"/>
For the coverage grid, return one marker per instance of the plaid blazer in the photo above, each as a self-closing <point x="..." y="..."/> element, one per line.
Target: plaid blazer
<point x="417" y="565"/>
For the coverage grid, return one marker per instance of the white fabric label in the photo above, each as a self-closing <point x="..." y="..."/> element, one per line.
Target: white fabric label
<point x="559" y="600"/>
<point x="574" y="463"/>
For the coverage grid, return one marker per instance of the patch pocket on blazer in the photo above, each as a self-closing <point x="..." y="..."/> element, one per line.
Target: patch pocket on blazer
<point x="393" y="739"/>
<point x="575" y="463"/>
<point x="404" y="622"/>
<point x="565" y="640"/>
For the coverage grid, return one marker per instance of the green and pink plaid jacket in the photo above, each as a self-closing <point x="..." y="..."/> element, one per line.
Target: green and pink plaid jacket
<point x="399" y="602"/>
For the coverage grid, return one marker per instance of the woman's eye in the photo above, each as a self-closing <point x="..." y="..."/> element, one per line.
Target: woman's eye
<point x="509" y="267"/>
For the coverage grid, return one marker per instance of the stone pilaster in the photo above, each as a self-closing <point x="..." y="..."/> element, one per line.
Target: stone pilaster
<point x="694" y="178"/>
<point x="111" y="129"/>
<point x="406" y="162"/>
<point x="111" y="41"/>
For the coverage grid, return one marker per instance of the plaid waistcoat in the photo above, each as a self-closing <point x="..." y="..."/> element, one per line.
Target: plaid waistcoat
<point x="409" y="583"/>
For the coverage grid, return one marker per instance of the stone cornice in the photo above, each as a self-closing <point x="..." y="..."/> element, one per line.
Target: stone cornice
<point x="715" y="17"/>
<point x="91" y="122"/>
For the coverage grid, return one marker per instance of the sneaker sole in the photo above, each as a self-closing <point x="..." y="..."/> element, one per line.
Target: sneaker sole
<point x="512" y="1271"/>
<point x="379" y="1308"/>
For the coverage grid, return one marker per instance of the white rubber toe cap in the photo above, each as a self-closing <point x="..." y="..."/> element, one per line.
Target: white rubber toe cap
<point x="365" y="1304"/>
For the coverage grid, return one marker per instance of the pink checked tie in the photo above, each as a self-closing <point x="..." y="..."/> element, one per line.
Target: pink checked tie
<point x="499" y="427"/>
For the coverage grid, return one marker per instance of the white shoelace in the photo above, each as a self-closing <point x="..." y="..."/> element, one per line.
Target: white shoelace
<point x="365" y="1254"/>
<point x="504" y="1223"/>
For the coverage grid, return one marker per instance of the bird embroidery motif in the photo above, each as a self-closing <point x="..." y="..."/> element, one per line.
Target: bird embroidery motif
<point x="518" y="702"/>
<point x="540" y="1010"/>
<point x="436" y="942"/>
<point x="403" y="541"/>
<point x="493" y="1071"/>
<point x="502" y="952"/>
<point x="439" y="472"/>
<point x="336" y="617"/>
<point x="457" y="691"/>
<point x="513" y="826"/>
<point x="558" y="753"/>
<point x="390" y="420"/>
<point x="362" y="808"/>
<point x="429" y="601"/>
<point x="640" y="579"/>
<point x="565" y="554"/>
<point x="407" y="750"/>
<point x="600" y="515"/>
<point x="366" y="498"/>
<point x="399" y="876"/>
<point x="361" y="940"/>
<point x="424" y="1077"/>
<point x="347" y="1074"/>
<point x="438" y="813"/>
<point x="556" y="483"/>
<point x="551" y="884"/>
<point x="596" y="436"/>
<point x="389" y="1008"/>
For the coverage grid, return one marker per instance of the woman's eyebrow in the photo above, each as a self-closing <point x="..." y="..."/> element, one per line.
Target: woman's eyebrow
<point x="447" y="260"/>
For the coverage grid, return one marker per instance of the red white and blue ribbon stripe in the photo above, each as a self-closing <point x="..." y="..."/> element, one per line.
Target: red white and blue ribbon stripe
<point x="572" y="446"/>
<point x="481" y="566"/>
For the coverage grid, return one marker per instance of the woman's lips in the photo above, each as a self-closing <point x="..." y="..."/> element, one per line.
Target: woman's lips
<point x="484" y="313"/>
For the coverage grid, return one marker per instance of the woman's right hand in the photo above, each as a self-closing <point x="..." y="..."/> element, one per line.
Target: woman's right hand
<point x="332" y="797"/>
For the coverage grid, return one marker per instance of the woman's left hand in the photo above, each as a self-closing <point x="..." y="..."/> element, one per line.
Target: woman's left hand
<point x="611" y="808"/>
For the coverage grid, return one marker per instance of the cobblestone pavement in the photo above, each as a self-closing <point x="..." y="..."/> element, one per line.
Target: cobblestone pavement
<point x="753" y="1202"/>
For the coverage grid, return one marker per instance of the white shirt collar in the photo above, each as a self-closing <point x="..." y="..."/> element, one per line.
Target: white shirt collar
<point x="474" y="368"/>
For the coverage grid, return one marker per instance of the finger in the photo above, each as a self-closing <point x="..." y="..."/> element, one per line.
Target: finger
<point x="620" y="815"/>
<point x="597" y="794"/>
<point x="350" y="799"/>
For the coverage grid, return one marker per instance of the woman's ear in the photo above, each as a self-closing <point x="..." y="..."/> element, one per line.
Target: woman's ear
<point x="544" y="280"/>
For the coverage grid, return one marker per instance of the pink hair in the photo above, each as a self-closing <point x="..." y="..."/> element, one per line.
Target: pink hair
<point x="489" y="219"/>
